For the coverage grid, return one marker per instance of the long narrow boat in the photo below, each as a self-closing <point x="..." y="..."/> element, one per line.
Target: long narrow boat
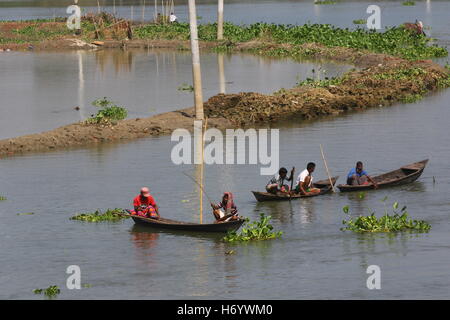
<point x="323" y="185"/>
<point x="169" y="224"/>
<point x="403" y="175"/>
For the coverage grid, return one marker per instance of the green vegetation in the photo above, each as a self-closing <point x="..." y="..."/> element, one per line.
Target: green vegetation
<point x="320" y="83"/>
<point x="112" y="215"/>
<point x="411" y="98"/>
<point x="398" y="221"/>
<point x="2" y="198"/>
<point x="359" y="21"/>
<point x="186" y="87"/>
<point x="409" y="3"/>
<point x="257" y="230"/>
<point x="395" y="41"/>
<point x="401" y="74"/>
<point x="325" y="2"/>
<point x="25" y="214"/>
<point x="50" y="292"/>
<point x="108" y="113"/>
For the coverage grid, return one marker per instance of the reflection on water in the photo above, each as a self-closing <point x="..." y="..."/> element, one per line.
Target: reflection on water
<point x="60" y="87"/>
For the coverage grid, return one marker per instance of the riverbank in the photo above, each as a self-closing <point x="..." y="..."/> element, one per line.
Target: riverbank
<point x="388" y="74"/>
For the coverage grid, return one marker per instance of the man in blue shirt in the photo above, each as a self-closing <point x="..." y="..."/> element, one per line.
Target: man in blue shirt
<point x="358" y="176"/>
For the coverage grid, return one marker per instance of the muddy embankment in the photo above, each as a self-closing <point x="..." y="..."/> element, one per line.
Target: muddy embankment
<point x="382" y="81"/>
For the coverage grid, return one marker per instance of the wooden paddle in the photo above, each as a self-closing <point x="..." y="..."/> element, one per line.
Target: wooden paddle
<point x="292" y="182"/>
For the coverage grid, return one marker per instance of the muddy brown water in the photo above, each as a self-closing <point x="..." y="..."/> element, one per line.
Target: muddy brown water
<point x="313" y="259"/>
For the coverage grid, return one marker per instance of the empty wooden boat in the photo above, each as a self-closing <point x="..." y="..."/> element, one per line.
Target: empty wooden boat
<point x="403" y="175"/>
<point x="323" y="185"/>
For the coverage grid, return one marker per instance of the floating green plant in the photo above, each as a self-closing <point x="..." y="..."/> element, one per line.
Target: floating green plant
<point x="257" y="230"/>
<point x="395" y="222"/>
<point x="50" y="292"/>
<point x="325" y="2"/>
<point x="186" y="87"/>
<point x="2" y="198"/>
<point x="109" y="112"/>
<point x="409" y="3"/>
<point x="359" y="21"/>
<point x="25" y="214"/>
<point x="112" y="215"/>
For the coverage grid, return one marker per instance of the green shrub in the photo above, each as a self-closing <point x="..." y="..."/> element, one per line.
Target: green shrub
<point x="109" y="112"/>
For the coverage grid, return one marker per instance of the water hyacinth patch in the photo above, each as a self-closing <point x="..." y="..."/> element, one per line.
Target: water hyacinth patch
<point x="2" y="198"/>
<point x="395" y="222"/>
<point x="359" y="21"/>
<point x="257" y="230"/>
<point x="112" y="215"/>
<point x="49" y="292"/>
<point x="395" y="41"/>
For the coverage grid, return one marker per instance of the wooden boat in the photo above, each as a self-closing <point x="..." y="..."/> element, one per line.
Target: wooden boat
<point x="403" y="175"/>
<point x="323" y="185"/>
<point x="163" y="223"/>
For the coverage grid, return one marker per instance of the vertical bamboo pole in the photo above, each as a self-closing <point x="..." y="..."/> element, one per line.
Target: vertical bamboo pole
<point x="98" y="6"/>
<point x="204" y="128"/>
<point x="326" y="167"/>
<point x="196" y="71"/>
<point x="221" y="73"/>
<point x="156" y="11"/>
<point x="220" y="20"/>
<point x="143" y="11"/>
<point x="114" y="8"/>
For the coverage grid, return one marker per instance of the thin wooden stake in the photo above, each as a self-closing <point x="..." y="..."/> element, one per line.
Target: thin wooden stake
<point x="196" y="70"/>
<point x="202" y="168"/>
<point x="326" y="167"/>
<point x="220" y="20"/>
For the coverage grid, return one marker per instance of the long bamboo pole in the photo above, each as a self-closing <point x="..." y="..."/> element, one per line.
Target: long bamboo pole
<point x="326" y="167"/>
<point x="204" y="128"/>
<point x="220" y="20"/>
<point x="196" y="71"/>
<point x="143" y="11"/>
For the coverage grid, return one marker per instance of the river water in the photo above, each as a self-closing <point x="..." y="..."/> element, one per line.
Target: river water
<point x="312" y="260"/>
<point x="41" y="90"/>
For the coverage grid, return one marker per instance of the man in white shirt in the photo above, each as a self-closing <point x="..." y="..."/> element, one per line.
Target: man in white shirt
<point x="304" y="184"/>
<point x="172" y="18"/>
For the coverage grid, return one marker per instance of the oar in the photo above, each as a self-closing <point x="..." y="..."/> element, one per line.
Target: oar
<point x="292" y="183"/>
<point x="326" y="167"/>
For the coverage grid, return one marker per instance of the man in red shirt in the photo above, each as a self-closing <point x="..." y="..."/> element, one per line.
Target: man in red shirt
<point x="145" y="199"/>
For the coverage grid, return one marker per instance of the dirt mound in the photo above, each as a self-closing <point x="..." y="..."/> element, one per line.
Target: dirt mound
<point x="376" y="86"/>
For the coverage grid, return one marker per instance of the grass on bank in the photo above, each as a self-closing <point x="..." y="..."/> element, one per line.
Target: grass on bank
<point x="394" y="41"/>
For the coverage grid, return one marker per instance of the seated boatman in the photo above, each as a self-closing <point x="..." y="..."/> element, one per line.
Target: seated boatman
<point x="304" y="184"/>
<point x="276" y="184"/>
<point x="358" y="176"/>
<point x="144" y="205"/>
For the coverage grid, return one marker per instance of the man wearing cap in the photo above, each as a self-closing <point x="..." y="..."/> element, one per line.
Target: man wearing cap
<point x="145" y="199"/>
